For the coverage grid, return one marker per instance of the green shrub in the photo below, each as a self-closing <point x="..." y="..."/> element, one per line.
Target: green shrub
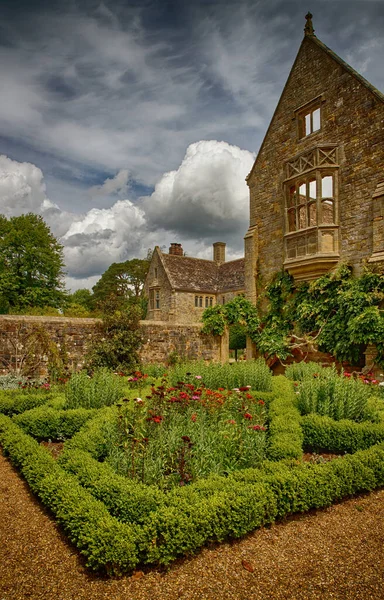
<point x="216" y="375"/>
<point x="184" y="526"/>
<point x="91" y="437"/>
<point x="323" y="433"/>
<point x="285" y="438"/>
<point x="336" y="397"/>
<point x="44" y="423"/>
<point x="107" y="544"/>
<point x="16" y="402"/>
<point x="12" y="381"/>
<point x="302" y="370"/>
<point x="186" y="518"/>
<point x="102" y="389"/>
<point x="128" y="500"/>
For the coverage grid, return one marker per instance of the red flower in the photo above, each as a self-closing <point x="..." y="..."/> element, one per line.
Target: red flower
<point x="247" y="416"/>
<point x="157" y="419"/>
<point x="261" y="402"/>
<point x="249" y="396"/>
<point x="232" y="421"/>
<point x="254" y="427"/>
<point x="194" y="417"/>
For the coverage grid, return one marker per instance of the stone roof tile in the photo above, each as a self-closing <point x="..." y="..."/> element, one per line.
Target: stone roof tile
<point x="199" y="275"/>
<point x="231" y="276"/>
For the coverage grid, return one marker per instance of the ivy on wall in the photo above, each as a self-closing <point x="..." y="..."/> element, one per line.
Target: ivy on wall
<point x="337" y="313"/>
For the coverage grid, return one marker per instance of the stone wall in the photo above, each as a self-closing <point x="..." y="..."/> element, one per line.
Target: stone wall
<point x="71" y="335"/>
<point x="161" y="339"/>
<point x="187" y="341"/>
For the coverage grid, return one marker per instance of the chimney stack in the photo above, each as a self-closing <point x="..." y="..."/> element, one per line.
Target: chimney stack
<point x="219" y="252"/>
<point x="176" y="249"/>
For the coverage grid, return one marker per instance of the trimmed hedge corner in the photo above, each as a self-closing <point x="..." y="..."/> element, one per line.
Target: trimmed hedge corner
<point x="44" y="423"/>
<point x="340" y="436"/>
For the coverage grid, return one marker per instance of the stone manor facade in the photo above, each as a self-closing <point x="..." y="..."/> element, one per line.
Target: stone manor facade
<point x="317" y="185"/>
<point x="180" y="288"/>
<point x="316" y="193"/>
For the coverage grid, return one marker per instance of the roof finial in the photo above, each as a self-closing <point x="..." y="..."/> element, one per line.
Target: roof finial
<point x="308" y="29"/>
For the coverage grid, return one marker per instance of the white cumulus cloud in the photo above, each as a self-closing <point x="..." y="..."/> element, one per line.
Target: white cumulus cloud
<point x="206" y="196"/>
<point x="22" y="187"/>
<point x="110" y="186"/>
<point x="103" y="236"/>
<point x="204" y="200"/>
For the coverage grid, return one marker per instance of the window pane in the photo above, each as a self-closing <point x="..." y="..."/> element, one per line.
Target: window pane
<point x="312" y="214"/>
<point x="291" y="248"/>
<point x="327" y="186"/>
<point x="308" y="124"/>
<point x="327" y="210"/>
<point x="302" y="193"/>
<point x="292" y="220"/>
<point x="312" y="189"/>
<point x="302" y="217"/>
<point x="316" y="119"/>
<point x="206" y="301"/>
<point x="196" y="301"/>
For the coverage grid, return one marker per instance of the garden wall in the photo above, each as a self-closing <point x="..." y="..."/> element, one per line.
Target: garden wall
<point x="161" y="339"/>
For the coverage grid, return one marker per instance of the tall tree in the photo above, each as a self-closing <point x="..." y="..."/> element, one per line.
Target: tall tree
<point x="122" y="283"/>
<point x="31" y="264"/>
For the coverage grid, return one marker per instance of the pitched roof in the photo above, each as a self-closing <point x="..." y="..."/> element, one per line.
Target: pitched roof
<point x="199" y="275"/>
<point x="231" y="276"/>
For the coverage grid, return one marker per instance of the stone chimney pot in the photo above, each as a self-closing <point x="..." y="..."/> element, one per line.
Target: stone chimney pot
<point x="176" y="249"/>
<point x="219" y="252"/>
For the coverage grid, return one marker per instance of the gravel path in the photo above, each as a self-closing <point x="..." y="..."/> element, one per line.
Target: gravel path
<point x="334" y="553"/>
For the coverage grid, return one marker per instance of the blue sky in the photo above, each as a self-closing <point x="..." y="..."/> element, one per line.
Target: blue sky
<point x="131" y="124"/>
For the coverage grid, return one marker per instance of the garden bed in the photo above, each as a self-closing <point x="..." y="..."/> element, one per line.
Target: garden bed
<point x="123" y="516"/>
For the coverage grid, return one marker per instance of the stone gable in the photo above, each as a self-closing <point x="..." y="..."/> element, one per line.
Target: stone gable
<point x="313" y="184"/>
<point x="180" y="287"/>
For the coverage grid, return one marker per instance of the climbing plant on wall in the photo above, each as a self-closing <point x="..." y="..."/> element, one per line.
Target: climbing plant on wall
<point x="337" y="313"/>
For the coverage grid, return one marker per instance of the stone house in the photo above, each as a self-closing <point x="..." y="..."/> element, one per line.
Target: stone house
<point x="180" y="288"/>
<point x="317" y="185"/>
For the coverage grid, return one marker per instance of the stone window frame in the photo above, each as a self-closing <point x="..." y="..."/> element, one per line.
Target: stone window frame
<point x="310" y="233"/>
<point x="307" y="110"/>
<point x="200" y="301"/>
<point x="311" y="250"/>
<point x="154" y="298"/>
